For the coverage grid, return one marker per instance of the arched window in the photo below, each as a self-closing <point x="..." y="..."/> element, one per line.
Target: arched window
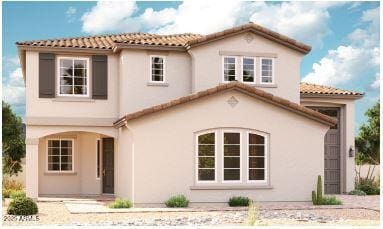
<point x="257" y="162"/>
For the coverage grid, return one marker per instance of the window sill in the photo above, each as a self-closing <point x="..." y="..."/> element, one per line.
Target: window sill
<point x="73" y="99"/>
<point x="60" y="173"/>
<point x="230" y="187"/>
<point x="157" y="84"/>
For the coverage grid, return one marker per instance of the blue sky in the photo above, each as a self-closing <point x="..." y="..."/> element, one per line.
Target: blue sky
<point x="344" y="35"/>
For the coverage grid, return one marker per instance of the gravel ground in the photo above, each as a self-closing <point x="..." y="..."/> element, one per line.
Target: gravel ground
<point x="54" y="213"/>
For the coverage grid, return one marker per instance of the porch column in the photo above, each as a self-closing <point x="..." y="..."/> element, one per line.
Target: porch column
<point x="32" y="167"/>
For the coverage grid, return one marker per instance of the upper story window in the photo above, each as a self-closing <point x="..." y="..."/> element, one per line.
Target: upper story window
<point x="229" y="69"/>
<point x="73" y="76"/>
<point x="157" y="64"/>
<point x="267" y="70"/>
<point x="206" y="157"/>
<point x="60" y="155"/>
<point x="248" y="69"/>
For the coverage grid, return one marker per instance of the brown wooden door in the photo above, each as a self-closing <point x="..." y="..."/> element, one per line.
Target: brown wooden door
<point x="108" y="165"/>
<point x="332" y="154"/>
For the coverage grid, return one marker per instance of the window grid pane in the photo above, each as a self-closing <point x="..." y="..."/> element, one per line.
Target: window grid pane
<point x="229" y="70"/>
<point x="73" y="77"/>
<point x="248" y="69"/>
<point x="267" y="71"/>
<point x="157" y="69"/>
<point x="256" y="160"/>
<point x="60" y="155"/>
<point x="232" y="156"/>
<point x="206" y="157"/>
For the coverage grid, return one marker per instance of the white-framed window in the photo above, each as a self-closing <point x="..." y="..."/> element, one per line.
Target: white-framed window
<point x="98" y="158"/>
<point x="229" y="68"/>
<point x="248" y="69"/>
<point x="206" y="157"/>
<point x="60" y="155"/>
<point x="157" y="69"/>
<point x="73" y="76"/>
<point x="267" y="70"/>
<point x="257" y="161"/>
<point x="231" y="156"/>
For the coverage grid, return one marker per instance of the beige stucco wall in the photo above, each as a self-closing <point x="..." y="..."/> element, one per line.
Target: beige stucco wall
<point x="66" y="107"/>
<point x="348" y="131"/>
<point x="136" y="94"/>
<point x="207" y="63"/>
<point x="164" y="149"/>
<point x="83" y="180"/>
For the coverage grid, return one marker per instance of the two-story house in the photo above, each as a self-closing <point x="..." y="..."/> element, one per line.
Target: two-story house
<point x="145" y="116"/>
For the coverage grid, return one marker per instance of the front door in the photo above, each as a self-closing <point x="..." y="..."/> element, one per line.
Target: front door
<point x="332" y="153"/>
<point x="108" y="165"/>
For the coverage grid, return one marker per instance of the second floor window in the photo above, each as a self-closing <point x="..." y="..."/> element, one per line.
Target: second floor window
<point x="267" y="70"/>
<point x="157" y="69"/>
<point x="229" y="69"/>
<point x="73" y="76"/>
<point x="248" y="69"/>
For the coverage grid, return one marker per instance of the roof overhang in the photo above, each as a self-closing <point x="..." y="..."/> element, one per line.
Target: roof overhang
<point x="330" y="96"/>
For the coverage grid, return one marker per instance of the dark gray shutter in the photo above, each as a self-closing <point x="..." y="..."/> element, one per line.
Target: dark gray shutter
<point x="100" y="77"/>
<point x="46" y="75"/>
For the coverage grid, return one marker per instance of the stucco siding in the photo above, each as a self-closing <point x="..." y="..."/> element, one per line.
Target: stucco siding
<point x="83" y="180"/>
<point x="164" y="149"/>
<point x="69" y="107"/>
<point x="136" y="94"/>
<point x="207" y="63"/>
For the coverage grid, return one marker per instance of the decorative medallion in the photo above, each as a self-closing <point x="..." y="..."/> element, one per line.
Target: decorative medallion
<point x="232" y="101"/>
<point x="249" y="37"/>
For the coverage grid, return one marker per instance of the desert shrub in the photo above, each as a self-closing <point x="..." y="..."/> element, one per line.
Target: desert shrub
<point x="22" y="206"/>
<point x="330" y="200"/>
<point x="16" y="193"/>
<point x="12" y="184"/>
<point x="357" y="192"/>
<point x="120" y="203"/>
<point x="239" y="201"/>
<point x="369" y="186"/>
<point x="179" y="201"/>
<point x="6" y="192"/>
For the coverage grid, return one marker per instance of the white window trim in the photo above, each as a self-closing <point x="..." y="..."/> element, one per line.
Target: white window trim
<point x="215" y="157"/>
<point x="266" y="136"/>
<point x="58" y="76"/>
<point x="240" y="155"/>
<point x="255" y="68"/>
<point x="47" y="155"/>
<point x="100" y="173"/>
<point x="223" y="68"/>
<point x="272" y="72"/>
<point x="151" y="70"/>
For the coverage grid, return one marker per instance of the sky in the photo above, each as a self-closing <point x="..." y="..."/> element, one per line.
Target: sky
<point x="344" y="35"/>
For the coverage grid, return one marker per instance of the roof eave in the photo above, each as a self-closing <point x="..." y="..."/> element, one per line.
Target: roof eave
<point x="61" y="49"/>
<point x="330" y="96"/>
<point x="119" y="46"/>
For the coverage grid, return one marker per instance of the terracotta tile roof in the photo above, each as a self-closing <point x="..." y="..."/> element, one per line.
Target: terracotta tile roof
<point x="186" y="40"/>
<point x="254" y="92"/>
<point x="258" y="30"/>
<point x="313" y="89"/>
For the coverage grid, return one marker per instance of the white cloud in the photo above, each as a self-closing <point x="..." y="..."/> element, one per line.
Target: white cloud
<point x="347" y="63"/>
<point x="70" y="14"/>
<point x="11" y="61"/>
<point x="376" y="83"/>
<point x="13" y="89"/>
<point x="108" y="16"/>
<point x="305" y="21"/>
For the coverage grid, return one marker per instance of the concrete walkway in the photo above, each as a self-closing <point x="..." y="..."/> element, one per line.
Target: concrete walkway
<point x="95" y="206"/>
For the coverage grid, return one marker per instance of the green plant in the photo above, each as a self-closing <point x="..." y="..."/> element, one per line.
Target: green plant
<point x="330" y="200"/>
<point x="239" y="201"/>
<point x="357" y="192"/>
<point x="16" y="194"/>
<point x="120" y="203"/>
<point x="319" y="189"/>
<point x="22" y="206"/>
<point x="369" y="186"/>
<point x="314" y="198"/>
<point x="179" y="201"/>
